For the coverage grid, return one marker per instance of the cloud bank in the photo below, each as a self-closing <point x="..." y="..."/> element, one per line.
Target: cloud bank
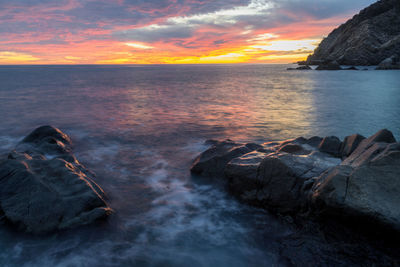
<point x="166" y="31"/>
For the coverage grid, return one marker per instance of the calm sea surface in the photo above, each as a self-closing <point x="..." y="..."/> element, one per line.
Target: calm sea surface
<point x="139" y="128"/>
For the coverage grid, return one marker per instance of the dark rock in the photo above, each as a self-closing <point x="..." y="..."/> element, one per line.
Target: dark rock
<point x="370" y="147"/>
<point x="279" y="178"/>
<point x="43" y="187"/>
<point x="350" y="68"/>
<point x="350" y="144"/>
<point x="304" y="68"/>
<point x="213" y="161"/>
<point x="242" y="172"/>
<point x="368" y="189"/>
<point x="282" y="179"/>
<point x="332" y="65"/>
<point x="314" y="141"/>
<point x="297" y="179"/>
<point x="301" y="68"/>
<point x="331" y="145"/>
<point x="291" y="148"/>
<point x="392" y="63"/>
<point x="367" y="39"/>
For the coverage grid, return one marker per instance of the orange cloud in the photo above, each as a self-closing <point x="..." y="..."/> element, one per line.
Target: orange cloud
<point x="161" y="31"/>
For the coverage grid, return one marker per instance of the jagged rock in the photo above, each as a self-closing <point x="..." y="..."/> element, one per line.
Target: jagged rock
<point x="370" y="147"/>
<point x="392" y="63"/>
<point x="44" y="188"/>
<point x="366" y="185"/>
<point x="301" y="68"/>
<point x="350" y="144"/>
<point x="367" y="39"/>
<point x="283" y="179"/>
<point x="276" y="180"/>
<point x="331" y="145"/>
<point x="213" y="161"/>
<point x="297" y="177"/>
<point x="331" y="65"/>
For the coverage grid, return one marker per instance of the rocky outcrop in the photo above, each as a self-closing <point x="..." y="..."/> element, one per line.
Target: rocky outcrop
<point x="44" y="188"/>
<point x="350" y="144"/>
<point x="271" y="176"/>
<point x="392" y="63"/>
<point x="359" y="177"/>
<point x="329" y="65"/>
<point x="306" y="67"/>
<point x="367" y="39"/>
<point x="213" y="161"/>
<point x="365" y="185"/>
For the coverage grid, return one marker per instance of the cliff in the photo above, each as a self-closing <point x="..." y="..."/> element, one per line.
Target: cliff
<point x="368" y="38"/>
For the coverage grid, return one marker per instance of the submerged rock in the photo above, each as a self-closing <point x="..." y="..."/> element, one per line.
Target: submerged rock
<point x="44" y="188"/>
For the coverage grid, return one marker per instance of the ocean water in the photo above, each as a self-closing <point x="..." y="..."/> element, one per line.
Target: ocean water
<point x="139" y="129"/>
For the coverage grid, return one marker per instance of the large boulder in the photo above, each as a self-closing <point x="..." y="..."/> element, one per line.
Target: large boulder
<point x="213" y="161"/>
<point x="44" y="188"/>
<point x="369" y="147"/>
<point x="366" y="184"/>
<point x="279" y="177"/>
<point x="350" y="144"/>
<point x="331" y="145"/>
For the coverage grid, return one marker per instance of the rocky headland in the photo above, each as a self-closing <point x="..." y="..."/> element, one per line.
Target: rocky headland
<point x="371" y="37"/>
<point x="354" y="180"/>
<point x="44" y="188"/>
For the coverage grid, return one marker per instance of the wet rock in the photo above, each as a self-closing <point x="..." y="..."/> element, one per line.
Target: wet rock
<point x="331" y="65"/>
<point x="392" y="63"/>
<point x="242" y="172"/>
<point x="369" y="147"/>
<point x="366" y="185"/>
<point x="297" y="178"/>
<point x="44" y="188"/>
<point x="350" y="144"/>
<point x="283" y="177"/>
<point x="314" y="141"/>
<point x="331" y="145"/>
<point x="213" y="161"/>
<point x="291" y="148"/>
<point x="351" y="68"/>
<point x="301" y="68"/>
<point x="279" y="179"/>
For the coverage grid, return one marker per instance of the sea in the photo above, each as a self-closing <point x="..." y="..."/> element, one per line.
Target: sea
<point x="139" y="128"/>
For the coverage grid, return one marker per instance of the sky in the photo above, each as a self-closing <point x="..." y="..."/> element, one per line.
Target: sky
<point x="167" y="31"/>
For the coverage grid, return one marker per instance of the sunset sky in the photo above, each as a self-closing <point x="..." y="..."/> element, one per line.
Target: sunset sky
<point x="166" y="31"/>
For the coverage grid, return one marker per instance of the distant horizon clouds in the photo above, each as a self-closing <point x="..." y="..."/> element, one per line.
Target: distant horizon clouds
<point x="166" y="31"/>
